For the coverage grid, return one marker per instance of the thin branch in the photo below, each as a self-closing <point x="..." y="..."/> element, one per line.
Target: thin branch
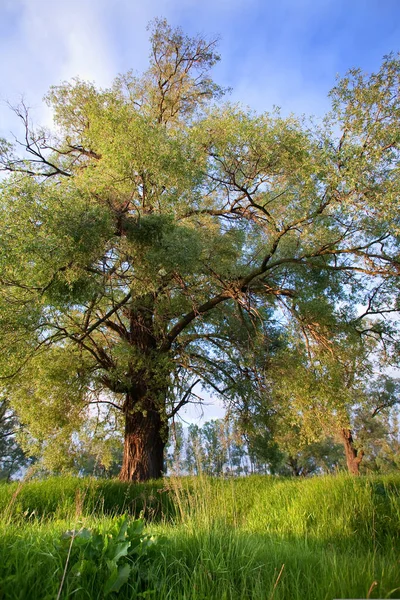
<point x="184" y="400"/>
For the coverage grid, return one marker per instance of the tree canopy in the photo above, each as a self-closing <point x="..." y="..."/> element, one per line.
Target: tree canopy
<point x="157" y="240"/>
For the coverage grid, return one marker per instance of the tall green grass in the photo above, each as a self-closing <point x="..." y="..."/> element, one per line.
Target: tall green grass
<point x="257" y="537"/>
<point x="62" y="497"/>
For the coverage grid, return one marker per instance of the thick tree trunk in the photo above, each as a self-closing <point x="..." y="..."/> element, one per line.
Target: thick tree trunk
<point x="145" y="435"/>
<point x="146" y="427"/>
<point x="353" y="456"/>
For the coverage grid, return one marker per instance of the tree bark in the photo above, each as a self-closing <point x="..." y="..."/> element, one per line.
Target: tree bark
<point x="145" y="438"/>
<point x="146" y="425"/>
<point x="353" y="456"/>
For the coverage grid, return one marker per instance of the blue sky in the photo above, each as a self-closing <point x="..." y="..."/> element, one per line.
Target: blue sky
<point x="282" y="52"/>
<point x="274" y="52"/>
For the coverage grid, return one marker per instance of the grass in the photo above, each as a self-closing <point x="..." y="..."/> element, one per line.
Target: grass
<point x="62" y="497"/>
<point x="247" y="538"/>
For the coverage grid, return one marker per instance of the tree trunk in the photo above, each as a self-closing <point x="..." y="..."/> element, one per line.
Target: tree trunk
<point x="353" y="456"/>
<point x="145" y="438"/>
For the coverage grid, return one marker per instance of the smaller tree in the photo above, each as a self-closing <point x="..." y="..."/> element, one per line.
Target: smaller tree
<point x="235" y="445"/>
<point x="174" y="458"/>
<point x="97" y="450"/>
<point x="12" y="457"/>
<point x="388" y="457"/>
<point x="194" y="452"/>
<point x="375" y="430"/>
<point x="215" y="450"/>
<point x="339" y="393"/>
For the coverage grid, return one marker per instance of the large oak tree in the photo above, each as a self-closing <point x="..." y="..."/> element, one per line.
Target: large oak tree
<point x="159" y="238"/>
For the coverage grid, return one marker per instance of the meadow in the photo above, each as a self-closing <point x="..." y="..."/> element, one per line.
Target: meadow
<point x="185" y="538"/>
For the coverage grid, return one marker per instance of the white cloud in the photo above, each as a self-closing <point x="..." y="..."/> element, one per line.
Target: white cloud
<point x="49" y="42"/>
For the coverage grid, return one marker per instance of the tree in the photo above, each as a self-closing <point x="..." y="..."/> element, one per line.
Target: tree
<point x="318" y="395"/>
<point x="286" y="451"/>
<point x="373" y="424"/>
<point x="387" y="456"/>
<point x="194" y="451"/>
<point x="175" y="449"/>
<point x="157" y="240"/>
<point x="215" y="451"/>
<point x="12" y="457"/>
<point x="234" y="444"/>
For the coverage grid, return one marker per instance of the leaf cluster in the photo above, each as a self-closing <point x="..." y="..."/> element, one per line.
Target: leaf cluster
<point x="119" y="554"/>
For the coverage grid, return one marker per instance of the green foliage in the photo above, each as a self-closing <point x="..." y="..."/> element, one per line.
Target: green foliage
<point x="12" y="458"/>
<point x="166" y="246"/>
<point x="160" y="237"/>
<point x="317" y="396"/>
<point x="117" y="554"/>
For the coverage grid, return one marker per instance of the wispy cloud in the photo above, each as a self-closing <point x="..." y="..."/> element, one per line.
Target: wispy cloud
<point x="48" y="42"/>
<point x="285" y="53"/>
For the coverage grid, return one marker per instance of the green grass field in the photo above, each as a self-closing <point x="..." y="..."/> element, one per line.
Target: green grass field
<point x="247" y="538"/>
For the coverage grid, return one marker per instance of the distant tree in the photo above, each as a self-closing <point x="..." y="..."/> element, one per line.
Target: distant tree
<point x="158" y="238"/>
<point x="89" y="464"/>
<point x="342" y="396"/>
<point x="387" y="454"/>
<point x="194" y="451"/>
<point x="375" y="430"/>
<point x="174" y="458"/>
<point x="12" y="457"/>
<point x="97" y="450"/>
<point x="234" y="443"/>
<point x="215" y="446"/>
<point x="297" y="457"/>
